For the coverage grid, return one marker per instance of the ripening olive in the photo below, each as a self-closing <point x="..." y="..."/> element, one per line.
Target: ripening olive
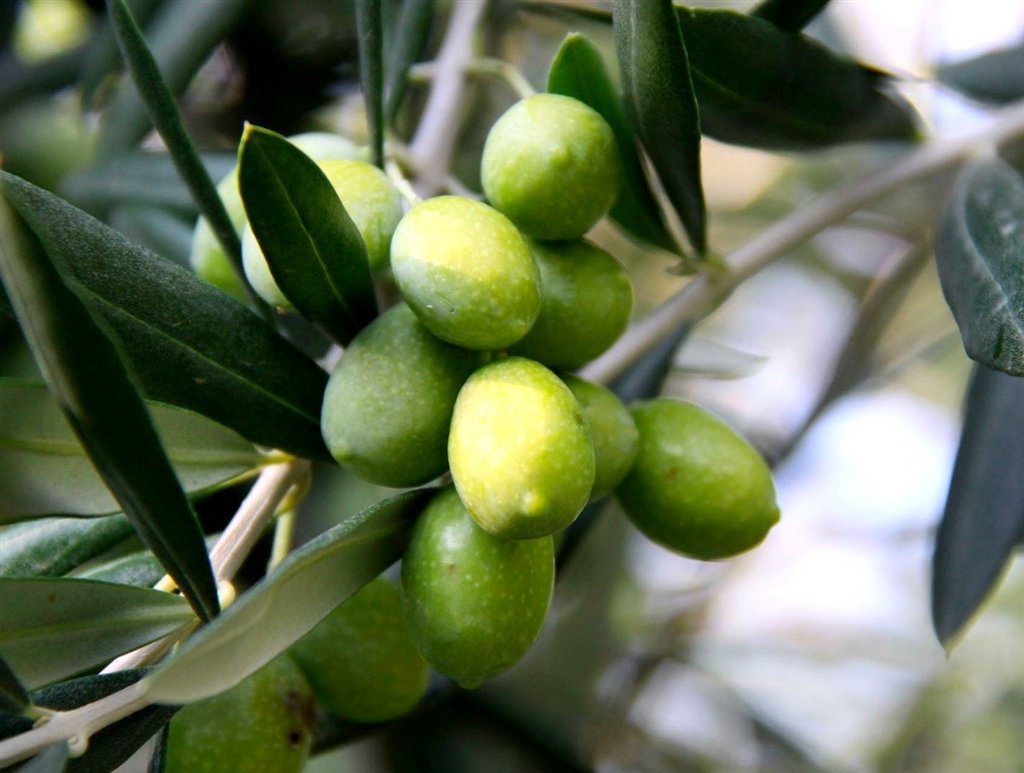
<point x="551" y="165"/>
<point x="361" y="660"/>
<point x="263" y="723"/>
<point x="390" y="398"/>
<point x="467" y="272"/>
<point x="586" y="300"/>
<point x="696" y="487"/>
<point x="612" y="431"/>
<point x="475" y="603"/>
<point x="520" y="450"/>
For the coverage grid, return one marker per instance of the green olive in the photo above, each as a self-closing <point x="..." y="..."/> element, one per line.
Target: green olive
<point x="475" y="603"/>
<point x="586" y="300"/>
<point x="697" y="487"/>
<point x="207" y="257"/>
<point x="520" y="450"/>
<point x="551" y="165"/>
<point x="467" y="272"/>
<point x="612" y="430"/>
<point x="390" y="399"/>
<point x="361" y="660"/>
<point x="263" y="723"/>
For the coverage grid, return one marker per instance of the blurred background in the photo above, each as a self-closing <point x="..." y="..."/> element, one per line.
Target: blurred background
<point x="813" y="652"/>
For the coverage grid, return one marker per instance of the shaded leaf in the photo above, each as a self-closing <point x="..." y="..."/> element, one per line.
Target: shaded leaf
<point x="709" y="358"/>
<point x="789" y="15"/>
<point x="758" y="85"/>
<point x="984" y="515"/>
<point x="98" y="398"/>
<point x="369" y="28"/>
<point x="980" y="257"/>
<point x="578" y="71"/>
<point x="660" y="97"/>
<point x="54" y="628"/>
<point x="50" y="547"/>
<point x="181" y="37"/>
<point x="314" y="250"/>
<point x="267" y="619"/>
<point x="52" y="759"/>
<point x="410" y="40"/>
<point x="13" y="696"/>
<point x="188" y="343"/>
<point x="140" y="569"/>
<point x="997" y="76"/>
<point x="103" y="57"/>
<point x="47" y="472"/>
<point x="138" y="179"/>
<point x="21" y="82"/>
<point x="157" y="230"/>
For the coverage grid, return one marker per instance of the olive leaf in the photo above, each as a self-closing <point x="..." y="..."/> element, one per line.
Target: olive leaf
<point x="54" y="628"/>
<point x="140" y="569"/>
<point x="96" y="393"/>
<point x="369" y="28"/>
<point x="267" y="619"/>
<point x="314" y="250"/>
<point x="980" y="257"/>
<point x="997" y="76"/>
<point x="789" y="15"/>
<point x="52" y="759"/>
<point x="411" y="38"/>
<point x="984" y="515"/>
<point x="103" y="57"/>
<point x="188" y="343"/>
<point x="13" y="696"/>
<point x="50" y="547"/>
<point x="578" y="71"/>
<point x="661" y="101"/>
<point x="156" y="229"/>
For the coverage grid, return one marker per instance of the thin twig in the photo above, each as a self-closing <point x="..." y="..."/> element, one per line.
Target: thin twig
<point x="708" y="290"/>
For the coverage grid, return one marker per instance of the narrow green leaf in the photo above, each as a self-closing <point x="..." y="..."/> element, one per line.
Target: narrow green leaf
<point x="54" y="628"/>
<point x="13" y="696"/>
<point x="103" y="56"/>
<point x="163" y="112"/>
<point x="84" y="369"/>
<point x="139" y="179"/>
<point x="760" y="86"/>
<point x="267" y="619"/>
<point x="997" y="76"/>
<point x="578" y="71"/>
<point x="52" y="759"/>
<point x="314" y="250"/>
<point x="188" y="343"/>
<point x="21" y="82"/>
<point x="140" y="569"/>
<point x="789" y="15"/>
<point x="181" y="36"/>
<point x="660" y="96"/>
<point x="980" y="257"/>
<point x="411" y="38"/>
<point x="50" y="547"/>
<point x="369" y="27"/>
<point x="51" y="474"/>
<point x="984" y="515"/>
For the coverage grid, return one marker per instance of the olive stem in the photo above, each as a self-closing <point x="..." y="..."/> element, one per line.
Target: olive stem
<point x="400" y="181"/>
<point x="437" y="133"/>
<point x="284" y="531"/>
<point x="496" y="68"/>
<point x="709" y="289"/>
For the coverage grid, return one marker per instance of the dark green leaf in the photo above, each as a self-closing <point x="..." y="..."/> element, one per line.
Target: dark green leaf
<point x="54" y="628"/>
<point x="268" y="619"/>
<point x="980" y="257"/>
<point x="789" y="15"/>
<point x="78" y="692"/>
<point x="188" y="343"/>
<point x="578" y="71"/>
<point x="314" y="250"/>
<point x="760" y="86"/>
<point x="997" y="76"/>
<point x="50" y="547"/>
<point x="21" y="82"/>
<point x="181" y="37"/>
<point x="984" y="516"/>
<point x="157" y="230"/>
<point x="163" y="112"/>
<point x="138" y="179"/>
<point x="660" y="96"/>
<point x="369" y="26"/>
<point x="103" y="57"/>
<point x="411" y="39"/>
<point x="52" y="759"/>
<point x="13" y="696"/>
<point x="50" y="473"/>
<point x="85" y="371"/>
